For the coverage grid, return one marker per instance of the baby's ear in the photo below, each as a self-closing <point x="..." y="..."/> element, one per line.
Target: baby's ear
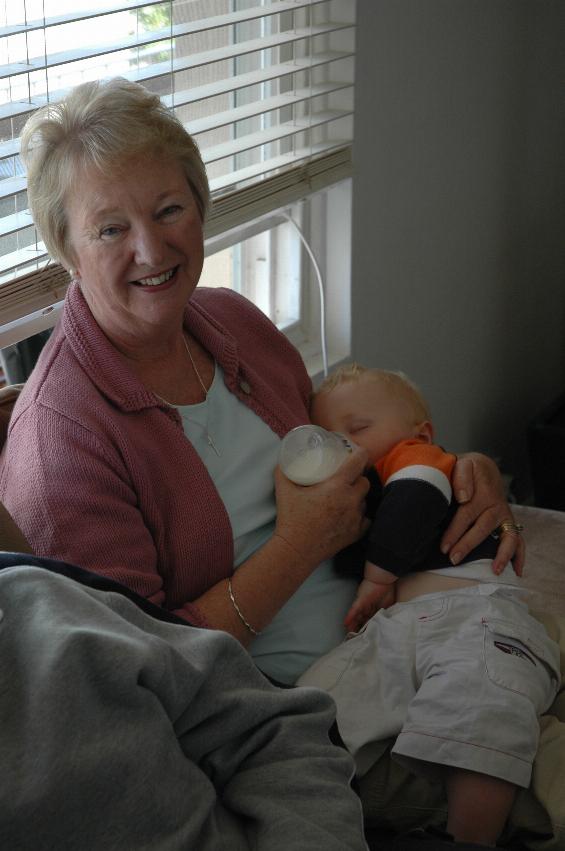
<point x="425" y="431"/>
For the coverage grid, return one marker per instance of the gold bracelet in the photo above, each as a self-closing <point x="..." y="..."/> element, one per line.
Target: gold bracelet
<point x="239" y="612"/>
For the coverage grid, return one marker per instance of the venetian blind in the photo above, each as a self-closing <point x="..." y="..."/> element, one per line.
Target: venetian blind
<point x="265" y="87"/>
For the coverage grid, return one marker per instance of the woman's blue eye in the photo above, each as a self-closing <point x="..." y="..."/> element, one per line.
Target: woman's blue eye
<point x="171" y="210"/>
<point x="109" y="231"/>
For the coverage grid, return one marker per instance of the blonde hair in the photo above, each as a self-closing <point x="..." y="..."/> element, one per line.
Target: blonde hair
<point x="398" y="384"/>
<point x="100" y="124"/>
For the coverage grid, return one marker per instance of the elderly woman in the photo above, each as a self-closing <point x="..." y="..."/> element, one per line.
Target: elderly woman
<point x="144" y="444"/>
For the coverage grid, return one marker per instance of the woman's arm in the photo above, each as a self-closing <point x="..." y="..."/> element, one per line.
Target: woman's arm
<point x="313" y="524"/>
<point x="478" y="488"/>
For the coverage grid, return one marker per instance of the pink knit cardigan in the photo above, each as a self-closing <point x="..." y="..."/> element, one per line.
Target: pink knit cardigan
<point x="98" y="472"/>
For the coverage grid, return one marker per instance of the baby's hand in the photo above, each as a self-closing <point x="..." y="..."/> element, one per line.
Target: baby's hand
<point x="371" y="597"/>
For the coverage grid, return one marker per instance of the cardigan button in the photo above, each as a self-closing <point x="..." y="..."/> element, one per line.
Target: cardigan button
<point x="245" y="387"/>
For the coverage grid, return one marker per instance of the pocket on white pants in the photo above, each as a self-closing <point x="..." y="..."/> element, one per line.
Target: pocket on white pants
<point x="522" y="659"/>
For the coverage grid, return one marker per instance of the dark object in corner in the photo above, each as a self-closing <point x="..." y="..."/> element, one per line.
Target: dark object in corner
<point x="18" y="360"/>
<point x="546" y="442"/>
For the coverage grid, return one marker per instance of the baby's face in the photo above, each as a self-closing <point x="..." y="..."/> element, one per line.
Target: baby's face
<point x="367" y="413"/>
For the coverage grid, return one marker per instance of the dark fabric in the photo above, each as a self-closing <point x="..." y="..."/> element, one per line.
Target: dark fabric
<point x="351" y="561"/>
<point x="421" y="839"/>
<point x="400" y="547"/>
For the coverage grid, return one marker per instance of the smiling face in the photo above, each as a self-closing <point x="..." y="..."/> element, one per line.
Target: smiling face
<point x="137" y="244"/>
<point x="371" y="414"/>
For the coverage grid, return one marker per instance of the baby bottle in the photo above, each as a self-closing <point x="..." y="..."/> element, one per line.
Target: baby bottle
<point x="310" y="454"/>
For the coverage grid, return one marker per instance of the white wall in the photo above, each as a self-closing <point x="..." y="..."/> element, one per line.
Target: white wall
<point x="459" y="210"/>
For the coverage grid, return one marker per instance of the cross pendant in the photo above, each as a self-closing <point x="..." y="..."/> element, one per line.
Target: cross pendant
<point x="212" y="445"/>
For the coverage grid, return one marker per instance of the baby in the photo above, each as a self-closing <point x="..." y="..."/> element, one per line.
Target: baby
<point x="458" y="671"/>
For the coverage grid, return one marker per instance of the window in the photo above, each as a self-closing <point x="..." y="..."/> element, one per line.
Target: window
<point x="266" y="88"/>
<point x="263" y="264"/>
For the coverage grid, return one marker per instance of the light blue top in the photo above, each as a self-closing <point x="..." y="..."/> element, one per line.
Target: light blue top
<point x="311" y="623"/>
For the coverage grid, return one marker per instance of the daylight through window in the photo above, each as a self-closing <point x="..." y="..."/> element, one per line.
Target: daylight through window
<point x="265" y="87"/>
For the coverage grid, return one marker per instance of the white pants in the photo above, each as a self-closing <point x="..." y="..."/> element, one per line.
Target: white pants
<point x="460" y="678"/>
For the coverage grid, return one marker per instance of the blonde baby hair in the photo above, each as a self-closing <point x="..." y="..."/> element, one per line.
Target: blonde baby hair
<point x="398" y="384"/>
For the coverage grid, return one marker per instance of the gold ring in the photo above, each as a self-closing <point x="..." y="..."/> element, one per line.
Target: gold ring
<point x="509" y="526"/>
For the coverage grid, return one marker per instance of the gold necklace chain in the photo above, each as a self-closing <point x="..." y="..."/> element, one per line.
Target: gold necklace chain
<point x="199" y="377"/>
<point x="209" y="439"/>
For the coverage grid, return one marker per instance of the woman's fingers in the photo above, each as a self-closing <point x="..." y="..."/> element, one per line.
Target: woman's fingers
<point x="353" y="467"/>
<point x="469" y="527"/>
<point x="511" y="544"/>
<point x="463" y="479"/>
<point x="511" y="548"/>
<point x="326" y="517"/>
<point x="477" y="478"/>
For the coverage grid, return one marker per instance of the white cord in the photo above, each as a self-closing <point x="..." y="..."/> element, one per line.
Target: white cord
<point x="321" y="290"/>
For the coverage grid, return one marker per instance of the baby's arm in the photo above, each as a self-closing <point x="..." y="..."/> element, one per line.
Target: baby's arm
<point x="376" y="591"/>
<point x="415" y="501"/>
